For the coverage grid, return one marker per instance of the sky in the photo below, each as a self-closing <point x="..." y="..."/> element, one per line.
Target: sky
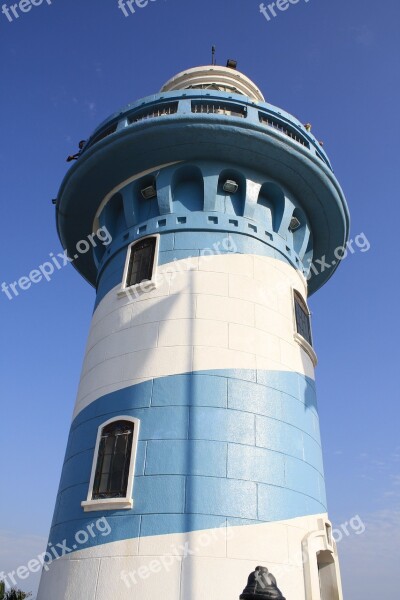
<point x="65" y="66"/>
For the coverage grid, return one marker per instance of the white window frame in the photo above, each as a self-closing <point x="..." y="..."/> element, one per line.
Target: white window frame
<point x="305" y="345"/>
<point x="91" y="504"/>
<point x="143" y="286"/>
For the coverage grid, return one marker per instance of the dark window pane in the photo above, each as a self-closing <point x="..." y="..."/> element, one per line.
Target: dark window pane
<point x="302" y="319"/>
<point x="99" y="465"/>
<point x="113" y="460"/>
<point x="141" y="261"/>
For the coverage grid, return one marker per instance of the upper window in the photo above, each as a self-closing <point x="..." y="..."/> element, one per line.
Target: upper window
<point x="303" y="323"/>
<point x="141" y="261"/>
<point x="113" y="465"/>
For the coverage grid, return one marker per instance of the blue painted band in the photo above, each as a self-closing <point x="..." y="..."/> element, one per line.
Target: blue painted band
<point x="214" y="446"/>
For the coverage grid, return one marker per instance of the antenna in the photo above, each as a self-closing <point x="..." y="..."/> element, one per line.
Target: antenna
<point x="213" y="55"/>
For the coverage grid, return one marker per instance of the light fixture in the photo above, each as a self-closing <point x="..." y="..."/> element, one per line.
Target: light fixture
<point x="149" y="192"/>
<point x="231" y="64"/>
<point x="294" y="224"/>
<point x="230" y="186"/>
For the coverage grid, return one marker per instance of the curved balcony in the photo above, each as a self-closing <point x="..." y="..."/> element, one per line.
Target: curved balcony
<point x="212" y="104"/>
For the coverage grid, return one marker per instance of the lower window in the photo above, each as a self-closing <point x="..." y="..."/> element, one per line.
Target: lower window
<point x="113" y="458"/>
<point x="111" y="481"/>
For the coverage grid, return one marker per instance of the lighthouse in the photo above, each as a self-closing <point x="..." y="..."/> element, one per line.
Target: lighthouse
<point x="194" y="454"/>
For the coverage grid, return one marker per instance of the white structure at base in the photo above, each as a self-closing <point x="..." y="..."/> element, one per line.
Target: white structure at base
<point x="201" y="565"/>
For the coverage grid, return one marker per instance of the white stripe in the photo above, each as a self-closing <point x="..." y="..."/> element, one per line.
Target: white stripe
<point x="215" y="312"/>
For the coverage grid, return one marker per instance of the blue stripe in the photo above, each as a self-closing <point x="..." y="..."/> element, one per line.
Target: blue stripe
<point x="213" y="446"/>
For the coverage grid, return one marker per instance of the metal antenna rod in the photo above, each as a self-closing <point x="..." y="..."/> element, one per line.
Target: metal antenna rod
<point x="213" y="55"/>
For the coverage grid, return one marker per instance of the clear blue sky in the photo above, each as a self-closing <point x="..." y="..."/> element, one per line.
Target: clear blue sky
<point x="65" y="67"/>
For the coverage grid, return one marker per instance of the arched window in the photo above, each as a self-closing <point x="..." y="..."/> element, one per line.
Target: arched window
<point x="141" y="261"/>
<point x="327" y="575"/>
<point x="273" y="197"/>
<point x="113" y="458"/>
<point x="140" y="273"/>
<point x="187" y="188"/>
<point x="302" y="314"/>
<point x="111" y="480"/>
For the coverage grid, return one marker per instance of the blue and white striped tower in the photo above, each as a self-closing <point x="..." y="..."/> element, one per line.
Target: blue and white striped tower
<point x="194" y="453"/>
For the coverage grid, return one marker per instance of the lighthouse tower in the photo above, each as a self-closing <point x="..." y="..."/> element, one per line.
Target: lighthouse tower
<point x="194" y="453"/>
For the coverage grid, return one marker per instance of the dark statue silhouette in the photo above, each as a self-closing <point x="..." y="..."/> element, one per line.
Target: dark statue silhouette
<point x="262" y="585"/>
